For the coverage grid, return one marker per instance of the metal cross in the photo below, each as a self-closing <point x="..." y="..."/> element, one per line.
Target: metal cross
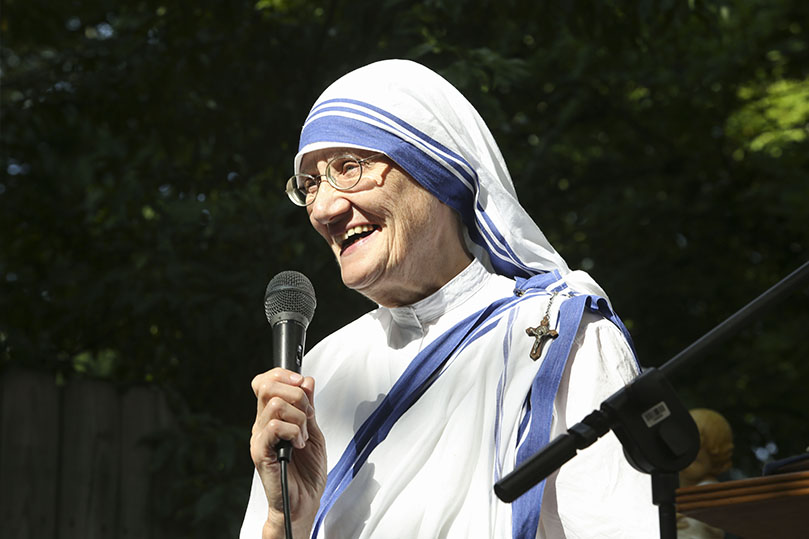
<point x="542" y="332"/>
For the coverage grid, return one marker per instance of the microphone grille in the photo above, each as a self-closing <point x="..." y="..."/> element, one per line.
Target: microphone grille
<point x="290" y="292"/>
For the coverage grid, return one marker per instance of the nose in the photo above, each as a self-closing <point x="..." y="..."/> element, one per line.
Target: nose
<point x="330" y="205"/>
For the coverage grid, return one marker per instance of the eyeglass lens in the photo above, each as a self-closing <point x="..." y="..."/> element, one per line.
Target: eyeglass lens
<point x="342" y="172"/>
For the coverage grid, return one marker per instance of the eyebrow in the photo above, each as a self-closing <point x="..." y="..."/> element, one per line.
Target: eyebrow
<point x="329" y="156"/>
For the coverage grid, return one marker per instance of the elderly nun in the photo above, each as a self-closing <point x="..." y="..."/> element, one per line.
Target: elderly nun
<point x="483" y="347"/>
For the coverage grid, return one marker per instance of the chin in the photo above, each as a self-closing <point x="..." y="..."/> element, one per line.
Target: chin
<point x="358" y="280"/>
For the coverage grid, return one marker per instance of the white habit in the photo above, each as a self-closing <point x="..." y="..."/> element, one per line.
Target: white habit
<point x="432" y="476"/>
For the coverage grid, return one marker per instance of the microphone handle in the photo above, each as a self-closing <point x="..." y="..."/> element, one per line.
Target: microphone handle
<point x="288" y="341"/>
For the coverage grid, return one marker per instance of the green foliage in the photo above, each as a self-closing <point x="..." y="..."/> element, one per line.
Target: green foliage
<point x="662" y="146"/>
<point x="771" y="118"/>
<point x="199" y="477"/>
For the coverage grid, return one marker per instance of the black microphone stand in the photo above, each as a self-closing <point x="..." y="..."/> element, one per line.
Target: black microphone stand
<point x="658" y="435"/>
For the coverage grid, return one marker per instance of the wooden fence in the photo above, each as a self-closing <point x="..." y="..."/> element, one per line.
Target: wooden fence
<point x="72" y="461"/>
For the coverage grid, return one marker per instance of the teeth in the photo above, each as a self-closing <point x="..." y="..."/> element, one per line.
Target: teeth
<point x="359" y="229"/>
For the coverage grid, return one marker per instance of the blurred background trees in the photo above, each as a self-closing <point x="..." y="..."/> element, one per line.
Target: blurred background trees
<point x="661" y="145"/>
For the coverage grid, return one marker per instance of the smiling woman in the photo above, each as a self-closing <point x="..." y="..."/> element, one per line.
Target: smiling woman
<point x="385" y="231"/>
<point x="426" y="401"/>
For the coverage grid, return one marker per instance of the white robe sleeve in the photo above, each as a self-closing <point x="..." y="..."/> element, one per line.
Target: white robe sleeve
<point x="597" y="493"/>
<point x="256" y="514"/>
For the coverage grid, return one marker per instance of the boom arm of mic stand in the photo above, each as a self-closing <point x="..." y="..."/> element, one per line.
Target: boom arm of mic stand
<point x="739" y="319"/>
<point x="552" y="457"/>
<point x="657" y="433"/>
<point x="655" y="429"/>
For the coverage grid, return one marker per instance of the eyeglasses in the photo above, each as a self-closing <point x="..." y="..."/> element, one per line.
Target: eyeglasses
<point x="342" y="172"/>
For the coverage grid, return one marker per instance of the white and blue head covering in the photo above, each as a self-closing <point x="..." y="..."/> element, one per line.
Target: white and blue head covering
<point x="419" y="120"/>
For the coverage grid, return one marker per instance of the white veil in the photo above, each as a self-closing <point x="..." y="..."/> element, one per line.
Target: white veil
<point x="428" y="128"/>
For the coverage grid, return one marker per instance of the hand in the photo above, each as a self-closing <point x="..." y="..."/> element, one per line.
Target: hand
<point x="285" y="411"/>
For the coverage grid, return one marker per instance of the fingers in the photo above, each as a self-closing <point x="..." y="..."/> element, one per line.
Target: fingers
<point x="283" y="408"/>
<point x="284" y="421"/>
<point x="308" y="386"/>
<point x="284" y="384"/>
<point x="276" y="375"/>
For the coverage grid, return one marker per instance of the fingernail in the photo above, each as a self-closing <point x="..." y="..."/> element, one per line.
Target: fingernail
<point x="295" y="377"/>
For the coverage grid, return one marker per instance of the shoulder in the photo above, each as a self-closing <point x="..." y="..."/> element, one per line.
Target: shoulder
<point x="342" y="343"/>
<point x="353" y="328"/>
<point x="601" y="362"/>
<point x="596" y="330"/>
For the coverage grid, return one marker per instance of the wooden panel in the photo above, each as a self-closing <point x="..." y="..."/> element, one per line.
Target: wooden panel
<point x="142" y="412"/>
<point x="89" y="486"/>
<point x="759" y="508"/>
<point x="73" y="461"/>
<point x="165" y="420"/>
<point x="29" y="446"/>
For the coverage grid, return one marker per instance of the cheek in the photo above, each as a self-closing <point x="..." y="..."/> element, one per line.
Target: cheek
<point x="410" y="221"/>
<point x="425" y="218"/>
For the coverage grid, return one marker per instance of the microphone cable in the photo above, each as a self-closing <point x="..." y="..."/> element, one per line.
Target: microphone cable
<point x="285" y="498"/>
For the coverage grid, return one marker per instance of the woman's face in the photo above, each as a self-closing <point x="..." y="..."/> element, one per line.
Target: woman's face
<point x="394" y="241"/>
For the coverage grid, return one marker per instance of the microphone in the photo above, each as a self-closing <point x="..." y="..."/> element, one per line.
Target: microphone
<point x="289" y="304"/>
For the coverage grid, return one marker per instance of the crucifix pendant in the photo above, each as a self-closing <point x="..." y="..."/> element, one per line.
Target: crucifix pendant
<point x="542" y="333"/>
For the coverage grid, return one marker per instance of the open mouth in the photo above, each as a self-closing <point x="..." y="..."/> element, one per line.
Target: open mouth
<point x="353" y="235"/>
